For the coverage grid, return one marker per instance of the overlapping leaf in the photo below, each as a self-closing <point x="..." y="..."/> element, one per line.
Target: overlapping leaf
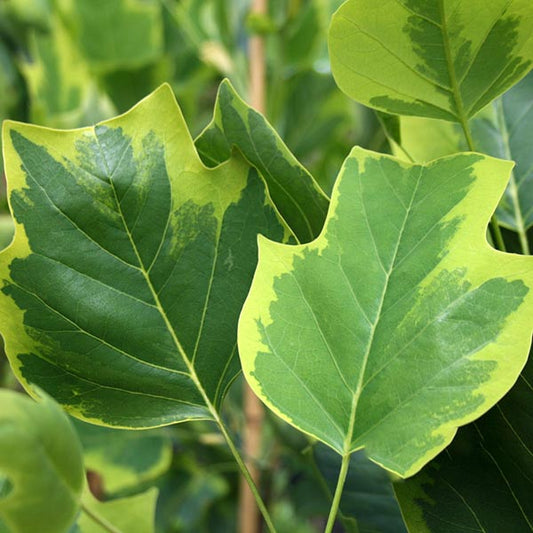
<point x="125" y="461"/>
<point x="41" y="458"/>
<point x="483" y="481"/>
<point x="399" y="323"/>
<point x="296" y="195"/>
<point x="502" y="130"/>
<point x="129" y="267"/>
<point x="444" y="59"/>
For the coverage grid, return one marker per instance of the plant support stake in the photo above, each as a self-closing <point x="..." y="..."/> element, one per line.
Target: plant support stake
<point x="253" y="410"/>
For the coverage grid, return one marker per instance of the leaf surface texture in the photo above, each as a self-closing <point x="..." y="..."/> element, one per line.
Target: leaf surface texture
<point x="399" y="323"/>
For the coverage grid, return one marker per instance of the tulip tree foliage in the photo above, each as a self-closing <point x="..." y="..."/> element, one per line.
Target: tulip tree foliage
<point x="438" y="63"/>
<point x="136" y="286"/>
<point x="393" y="327"/>
<point x="129" y="266"/>
<point x="298" y="198"/>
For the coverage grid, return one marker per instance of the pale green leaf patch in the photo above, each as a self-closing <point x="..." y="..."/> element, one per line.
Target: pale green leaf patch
<point x="443" y="59"/>
<point x="63" y="92"/>
<point x="135" y="514"/>
<point x="399" y="323"/>
<point x="129" y="266"/>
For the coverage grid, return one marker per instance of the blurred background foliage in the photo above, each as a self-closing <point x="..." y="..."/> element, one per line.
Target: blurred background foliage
<point x="71" y="63"/>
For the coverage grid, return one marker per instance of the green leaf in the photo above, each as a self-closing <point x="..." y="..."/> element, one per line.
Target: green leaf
<point x="41" y="457"/>
<point x="296" y="195"/>
<point x="189" y="499"/>
<point x="129" y="266"/>
<point x="130" y="515"/>
<point x="399" y="323"/>
<point x="444" y="59"/>
<point x="484" y="480"/>
<point x="303" y="32"/>
<point x="502" y="130"/>
<point x="124" y="460"/>
<point x="198" y="496"/>
<point x="117" y="34"/>
<point x="27" y="12"/>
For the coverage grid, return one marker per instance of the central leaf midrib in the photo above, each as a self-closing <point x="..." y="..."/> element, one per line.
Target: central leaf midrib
<point x="155" y="296"/>
<point x="360" y="383"/>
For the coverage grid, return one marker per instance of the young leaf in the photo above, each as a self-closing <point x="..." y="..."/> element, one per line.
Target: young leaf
<point x="399" y="323"/>
<point x="293" y="190"/>
<point x="129" y="266"/>
<point x="484" y="479"/>
<point x="41" y="458"/>
<point x="442" y="59"/>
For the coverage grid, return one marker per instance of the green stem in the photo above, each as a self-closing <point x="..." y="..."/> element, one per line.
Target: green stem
<point x="494" y="226"/>
<point x="391" y="139"/>
<point x="102" y="522"/>
<point x="338" y="493"/>
<point x="325" y="489"/>
<point x="246" y="474"/>
<point x="513" y="188"/>
<point x="497" y="234"/>
<point x="524" y="244"/>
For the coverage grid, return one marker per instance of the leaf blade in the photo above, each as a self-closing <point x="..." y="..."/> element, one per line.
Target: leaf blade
<point x="443" y="60"/>
<point x="350" y="312"/>
<point x="115" y="225"/>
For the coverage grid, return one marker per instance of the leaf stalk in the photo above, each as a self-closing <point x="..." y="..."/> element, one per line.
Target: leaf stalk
<point x="338" y="493"/>
<point x="246" y="474"/>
